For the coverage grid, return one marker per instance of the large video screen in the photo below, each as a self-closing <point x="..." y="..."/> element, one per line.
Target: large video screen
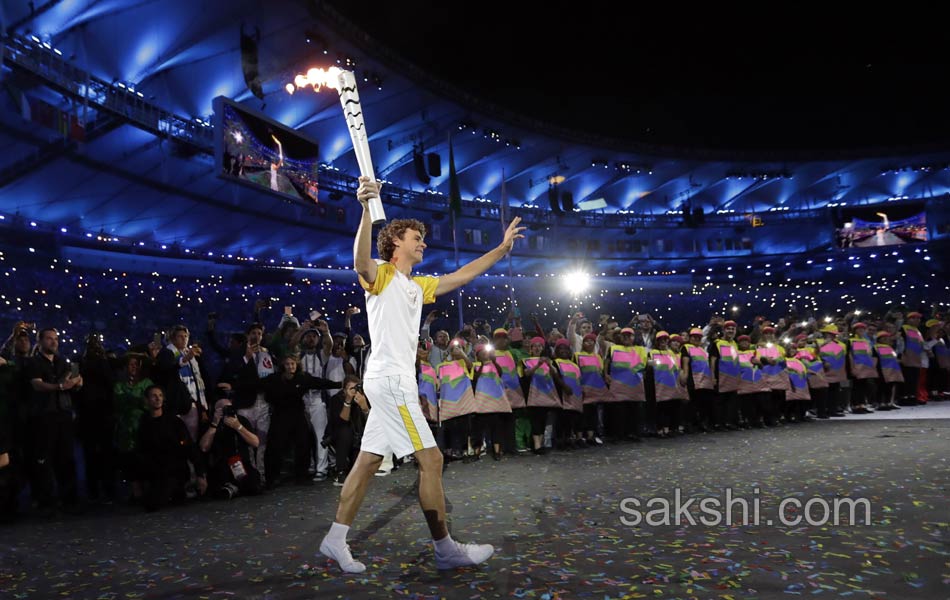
<point x="255" y="150"/>
<point x="881" y="225"/>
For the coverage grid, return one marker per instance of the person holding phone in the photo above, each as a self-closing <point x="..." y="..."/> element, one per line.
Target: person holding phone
<point x="355" y="346"/>
<point x="314" y="340"/>
<point x="394" y="300"/>
<point x="51" y="429"/>
<point x="249" y="398"/>
<point x="181" y="377"/>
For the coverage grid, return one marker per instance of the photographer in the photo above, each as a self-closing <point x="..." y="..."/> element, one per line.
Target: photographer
<point x="228" y="442"/>
<point x="13" y="347"/>
<point x="348" y="411"/>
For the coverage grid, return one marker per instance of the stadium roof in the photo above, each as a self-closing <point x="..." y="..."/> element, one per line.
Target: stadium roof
<point x="672" y="112"/>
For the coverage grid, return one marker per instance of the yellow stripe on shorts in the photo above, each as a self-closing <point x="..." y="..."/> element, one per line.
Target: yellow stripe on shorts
<point x="410" y="427"/>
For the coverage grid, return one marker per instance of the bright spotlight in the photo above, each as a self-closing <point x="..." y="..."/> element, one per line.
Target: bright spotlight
<point x="577" y="282"/>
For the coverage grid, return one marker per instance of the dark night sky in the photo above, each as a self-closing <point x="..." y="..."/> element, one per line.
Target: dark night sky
<point x="686" y="76"/>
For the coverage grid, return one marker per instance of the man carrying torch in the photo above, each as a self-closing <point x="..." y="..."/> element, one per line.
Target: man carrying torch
<point x="394" y="300"/>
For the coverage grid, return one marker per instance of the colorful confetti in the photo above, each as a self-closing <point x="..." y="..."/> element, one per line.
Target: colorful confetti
<point x="555" y="523"/>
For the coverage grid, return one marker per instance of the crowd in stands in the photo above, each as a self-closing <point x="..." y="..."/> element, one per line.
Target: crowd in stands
<point x="153" y="413"/>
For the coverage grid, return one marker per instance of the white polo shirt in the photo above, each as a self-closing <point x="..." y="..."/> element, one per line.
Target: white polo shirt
<point x="394" y="311"/>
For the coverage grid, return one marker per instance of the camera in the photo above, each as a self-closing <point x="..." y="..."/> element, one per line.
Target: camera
<point x="229" y="411"/>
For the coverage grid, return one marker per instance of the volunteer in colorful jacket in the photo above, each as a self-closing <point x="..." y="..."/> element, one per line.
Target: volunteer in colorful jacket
<point x="594" y="385"/>
<point x="626" y="365"/>
<point x="912" y="358"/>
<point x="491" y="402"/>
<point x="833" y="355"/>
<point x="666" y="375"/>
<point x="724" y="363"/>
<point x="542" y="381"/>
<point x="699" y="381"/>
<point x="890" y="376"/>
<point x="862" y="364"/>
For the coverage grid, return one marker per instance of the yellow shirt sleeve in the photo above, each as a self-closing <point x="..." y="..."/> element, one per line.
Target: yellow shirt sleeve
<point x="384" y="274"/>
<point x="428" y="285"/>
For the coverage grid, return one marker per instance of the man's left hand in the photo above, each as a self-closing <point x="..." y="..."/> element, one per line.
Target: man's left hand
<point x="511" y="234"/>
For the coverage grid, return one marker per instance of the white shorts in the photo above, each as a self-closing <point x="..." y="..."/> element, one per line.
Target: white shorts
<point x="395" y="423"/>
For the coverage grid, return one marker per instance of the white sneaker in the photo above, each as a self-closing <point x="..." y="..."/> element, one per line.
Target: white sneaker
<point x="465" y="555"/>
<point x="342" y="556"/>
<point x="382" y="473"/>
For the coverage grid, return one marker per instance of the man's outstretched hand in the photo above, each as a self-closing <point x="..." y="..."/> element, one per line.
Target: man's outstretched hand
<point x="511" y="234"/>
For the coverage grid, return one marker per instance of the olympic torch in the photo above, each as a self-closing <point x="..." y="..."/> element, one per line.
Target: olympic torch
<point x="344" y="82"/>
<point x="353" y="113"/>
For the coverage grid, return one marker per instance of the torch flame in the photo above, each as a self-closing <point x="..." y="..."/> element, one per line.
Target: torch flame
<point x="316" y="78"/>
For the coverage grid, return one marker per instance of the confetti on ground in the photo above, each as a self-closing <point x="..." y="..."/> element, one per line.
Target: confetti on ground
<point x="556" y="524"/>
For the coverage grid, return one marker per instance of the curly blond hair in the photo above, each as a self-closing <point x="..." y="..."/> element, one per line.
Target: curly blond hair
<point x="395" y="230"/>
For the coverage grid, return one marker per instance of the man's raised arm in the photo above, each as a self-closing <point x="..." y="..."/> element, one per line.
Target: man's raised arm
<point x="363" y="246"/>
<point x="449" y="282"/>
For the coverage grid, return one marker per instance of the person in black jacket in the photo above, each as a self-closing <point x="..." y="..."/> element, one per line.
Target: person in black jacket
<point x="284" y="392"/>
<point x="95" y="421"/>
<point x="227" y="443"/>
<point x="346" y="418"/>
<point x="8" y="500"/>
<point x="51" y="430"/>
<point x="165" y="450"/>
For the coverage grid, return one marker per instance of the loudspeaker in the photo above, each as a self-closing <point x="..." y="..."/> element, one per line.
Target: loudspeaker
<point x="419" y="163"/>
<point x="567" y="201"/>
<point x="249" y="62"/>
<point x="553" y="201"/>
<point x="434" y="162"/>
